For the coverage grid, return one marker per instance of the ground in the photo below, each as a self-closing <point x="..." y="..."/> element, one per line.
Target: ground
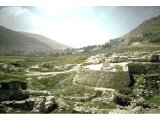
<point x="56" y="74"/>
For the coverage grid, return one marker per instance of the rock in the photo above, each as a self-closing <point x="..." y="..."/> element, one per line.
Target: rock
<point x="8" y="95"/>
<point x="39" y="106"/>
<point x="144" y="105"/>
<point x="122" y="100"/>
<point x="2" y="108"/>
<point x="154" y="58"/>
<point x="14" y="94"/>
<point x="44" y="104"/>
<point x="137" y="109"/>
<point x="5" y="66"/>
<point x="62" y="105"/>
<point x="109" y="95"/>
<point x="13" y="85"/>
<point x="50" y="104"/>
<point x="116" y="111"/>
<point x="13" y="90"/>
<point x="23" y="105"/>
<point x="10" y="67"/>
<point x="77" y="104"/>
<point x="13" y="68"/>
<point x="38" y="93"/>
<point x="79" y="109"/>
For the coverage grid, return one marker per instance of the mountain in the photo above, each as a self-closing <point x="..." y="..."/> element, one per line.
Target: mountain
<point x="17" y="43"/>
<point x="146" y="32"/>
<point x="53" y="44"/>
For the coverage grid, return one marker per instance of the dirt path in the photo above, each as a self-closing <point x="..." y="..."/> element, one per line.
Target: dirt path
<point x="51" y="73"/>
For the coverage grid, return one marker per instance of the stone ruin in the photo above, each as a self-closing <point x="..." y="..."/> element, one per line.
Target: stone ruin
<point x="16" y="97"/>
<point x="116" y="70"/>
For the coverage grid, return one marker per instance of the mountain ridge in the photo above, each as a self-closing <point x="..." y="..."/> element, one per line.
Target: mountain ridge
<point x="148" y="31"/>
<point x="15" y="43"/>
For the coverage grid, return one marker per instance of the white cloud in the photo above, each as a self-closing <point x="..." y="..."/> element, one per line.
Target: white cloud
<point x="17" y="18"/>
<point x="76" y="32"/>
<point x="102" y="15"/>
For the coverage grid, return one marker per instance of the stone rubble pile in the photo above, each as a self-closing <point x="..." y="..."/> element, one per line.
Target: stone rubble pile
<point x="14" y="95"/>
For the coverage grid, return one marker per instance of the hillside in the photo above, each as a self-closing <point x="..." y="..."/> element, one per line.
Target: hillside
<point x="148" y="31"/>
<point x="16" y="43"/>
<point x="53" y="44"/>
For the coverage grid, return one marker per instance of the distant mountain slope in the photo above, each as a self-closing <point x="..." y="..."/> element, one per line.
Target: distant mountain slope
<point x="148" y="31"/>
<point x="16" y="43"/>
<point x="53" y="44"/>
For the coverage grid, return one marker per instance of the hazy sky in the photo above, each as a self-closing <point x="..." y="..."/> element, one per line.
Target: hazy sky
<point x="76" y="26"/>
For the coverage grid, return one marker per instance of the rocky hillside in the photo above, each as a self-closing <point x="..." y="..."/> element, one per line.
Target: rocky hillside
<point x="16" y="43"/>
<point x="146" y="32"/>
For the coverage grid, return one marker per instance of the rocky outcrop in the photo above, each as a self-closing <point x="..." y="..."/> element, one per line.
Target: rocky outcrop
<point x="14" y="95"/>
<point x="50" y="104"/>
<point x="13" y="85"/>
<point x="13" y="90"/>
<point x="10" y="67"/>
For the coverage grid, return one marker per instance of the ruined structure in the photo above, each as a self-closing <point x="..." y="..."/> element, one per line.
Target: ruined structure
<point x="15" y="96"/>
<point x="116" y="70"/>
<point x="103" y="78"/>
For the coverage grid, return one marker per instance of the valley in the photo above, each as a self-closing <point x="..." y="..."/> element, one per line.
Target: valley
<point x="55" y="81"/>
<point x="40" y="75"/>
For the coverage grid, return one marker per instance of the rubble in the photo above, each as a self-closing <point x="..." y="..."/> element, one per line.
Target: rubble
<point x="14" y="95"/>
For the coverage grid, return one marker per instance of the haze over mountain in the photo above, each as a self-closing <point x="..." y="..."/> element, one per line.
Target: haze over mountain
<point x="52" y="43"/>
<point x="71" y="25"/>
<point x="17" y="43"/>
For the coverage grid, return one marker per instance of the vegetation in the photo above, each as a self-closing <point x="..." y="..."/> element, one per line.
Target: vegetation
<point x="118" y="68"/>
<point x="61" y="84"/>
<point x="101" y="105"/>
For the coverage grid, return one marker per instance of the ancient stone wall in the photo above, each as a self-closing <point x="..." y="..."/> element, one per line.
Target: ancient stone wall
<point x="102" y="78"/>
<point x="144" y="68"/>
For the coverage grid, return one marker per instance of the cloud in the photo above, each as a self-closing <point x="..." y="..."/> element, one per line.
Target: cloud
<point x="16" y="18"/>
<point x="81" y="32"/>
<point x="102" y="15"/>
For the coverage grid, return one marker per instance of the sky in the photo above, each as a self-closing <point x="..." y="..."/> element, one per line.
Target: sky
<point x="76" y="26"/>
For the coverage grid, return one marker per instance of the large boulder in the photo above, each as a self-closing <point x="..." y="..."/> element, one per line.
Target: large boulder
<point x="44" y="104"/>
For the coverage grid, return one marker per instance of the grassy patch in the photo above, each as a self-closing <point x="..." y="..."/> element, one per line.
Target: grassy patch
<point x="51" y="83"/>
<point x="153" y="99"/>
<point x="5" y="76"/>
<point x="101" y="105"/>
<point x="141" y="49"/>
<point x="78" y="90"/>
